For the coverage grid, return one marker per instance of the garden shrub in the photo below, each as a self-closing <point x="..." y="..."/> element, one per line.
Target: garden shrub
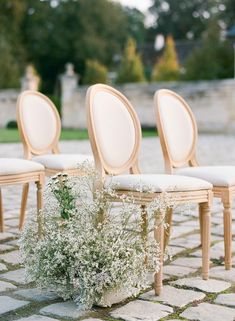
<point x="95" y="73"/>
<point x="131" y="69"/>
<point x="167" y="67"/>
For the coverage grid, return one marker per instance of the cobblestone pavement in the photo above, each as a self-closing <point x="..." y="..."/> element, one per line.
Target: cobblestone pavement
<point x="185" y="295"/>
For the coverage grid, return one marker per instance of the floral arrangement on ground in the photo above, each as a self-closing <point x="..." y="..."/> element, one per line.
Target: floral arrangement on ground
<point x="83" y="244"/>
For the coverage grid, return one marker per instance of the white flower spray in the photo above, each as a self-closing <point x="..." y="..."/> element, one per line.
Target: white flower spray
<point x="90" y="245"/>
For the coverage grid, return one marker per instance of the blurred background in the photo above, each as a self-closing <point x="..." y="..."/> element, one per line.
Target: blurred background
<point x="98" y="35"/>
<point x="114" y="42"/>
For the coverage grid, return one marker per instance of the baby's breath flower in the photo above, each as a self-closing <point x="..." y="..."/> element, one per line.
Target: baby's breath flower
<point x="90" y="244"/>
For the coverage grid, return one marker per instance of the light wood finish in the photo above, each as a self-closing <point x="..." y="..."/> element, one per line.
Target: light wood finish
<point x="30" y="151"/>
<point x="1" y="213"/>
<point x="25" y="179"/>
<point x="23" y="204"/>
<point x="167" y="231"/>
<point x="131" y="165"/>
<point x="144" y="227"/>
<point x="53" y="147"/>
<point x="201" y="222"/>
<point x="159" y="237"/>
<point x="205" y="212"/>
<point x="39" y="185"/>
<point x="227" y="203"/>
<point x="226" y="194"/>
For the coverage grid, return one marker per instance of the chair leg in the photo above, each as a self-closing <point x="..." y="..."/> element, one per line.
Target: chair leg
<point x="23" y="205"/>
<point x="39" y="207"/>
<point x="144" y="228"/>
<point x="227" y="231"/>
<point x="1" y="214"/>
<point x="159" y="237"/>
<point x="201" y="222"/>
<point x="167" y="231"/>
<point x="205" y="238"/>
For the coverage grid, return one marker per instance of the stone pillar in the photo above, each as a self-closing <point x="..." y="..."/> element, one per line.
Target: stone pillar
<point x="30" y="81"/>
<point x="69" y="82"/>
<point x="69" y="97"/>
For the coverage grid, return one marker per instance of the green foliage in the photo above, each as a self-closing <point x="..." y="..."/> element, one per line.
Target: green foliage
<point x="95" y="73"/>
<point x="186" y="19"/>
<point x="84" y="255"/>
<point x="167" y="67"/>
<point x="12" y="124"/>
<point x="56" y="101"/>
<point x="10" y="69"/>
<point x="72" y="31"/>
<point x="214" y="60"/>
<point x="62" y="193"/>
<point x="12" y="53"/>
<point x="131" y="69"/>
<point x="49" y="33"/>
<point x="136" y="28"/>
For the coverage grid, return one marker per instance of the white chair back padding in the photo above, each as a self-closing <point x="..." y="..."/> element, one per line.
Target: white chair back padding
<point x="178" y="126"/>
<point x="114" y="127"/>
<point x="39" y="121"/>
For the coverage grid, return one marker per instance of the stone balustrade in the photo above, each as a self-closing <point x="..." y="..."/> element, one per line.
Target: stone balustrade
<point x="212" y="102"/>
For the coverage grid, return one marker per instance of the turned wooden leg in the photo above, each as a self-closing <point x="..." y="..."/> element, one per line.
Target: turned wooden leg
<point x="227" y="231"/>
<point x="167" y="231"/>
<point x="201" y="222"/>
<point x="159" y="237"/>
<point x="205" y="238"/>
<point x="1" y="214"/>
<point x="144" y="228"/>
<point x="23" y="205"/>
<point x="39" y="208"/>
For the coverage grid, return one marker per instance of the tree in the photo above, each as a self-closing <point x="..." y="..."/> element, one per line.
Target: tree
<point x="50" y="33"/>
<point x="12" y="53"/>
<point x="136" y="28"/>
<point x="10" y="69"/>
<point x="214" y="60"/>
<point x="186" y="19"/>
<point x="228" y="14"/>
<point x="167" y="67"/>
<point x="72" y="31"/>
<point x="131" y="69"/>
<point x="95" y="73"/>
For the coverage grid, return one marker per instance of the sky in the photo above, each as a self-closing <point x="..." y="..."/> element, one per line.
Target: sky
<point x="142" y="5"/>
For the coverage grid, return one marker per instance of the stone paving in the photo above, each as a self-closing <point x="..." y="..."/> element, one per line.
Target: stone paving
<point x="185" y="295"/>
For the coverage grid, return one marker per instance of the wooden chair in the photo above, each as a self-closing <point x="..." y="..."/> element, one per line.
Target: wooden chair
<point x="115" y="136"/>
<point x="40" y="128"/>
<point x="20" y="171"/>
<point x="178" y="136"/>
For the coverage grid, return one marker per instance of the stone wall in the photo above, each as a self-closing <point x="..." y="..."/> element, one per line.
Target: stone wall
<point x="212" y="102"/>
<point x="8" y="97"/>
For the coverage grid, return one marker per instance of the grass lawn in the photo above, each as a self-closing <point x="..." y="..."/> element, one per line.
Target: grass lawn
<point x="12" y="135"/>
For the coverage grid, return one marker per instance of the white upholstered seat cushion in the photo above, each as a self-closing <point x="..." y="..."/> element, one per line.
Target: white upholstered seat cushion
<point x="156" y="183"/>
<point x="223" y="176"/>
<point x="62" y="161"/>
<point x="14" y="166"/>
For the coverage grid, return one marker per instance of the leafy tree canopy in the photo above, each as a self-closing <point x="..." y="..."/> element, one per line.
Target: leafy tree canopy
<point x="60" y="31"/>
<point x="186" y="19"/>
<point x="12" y="53"/>
<point x="49" y="33"/>
<point x="213" y="60"/>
